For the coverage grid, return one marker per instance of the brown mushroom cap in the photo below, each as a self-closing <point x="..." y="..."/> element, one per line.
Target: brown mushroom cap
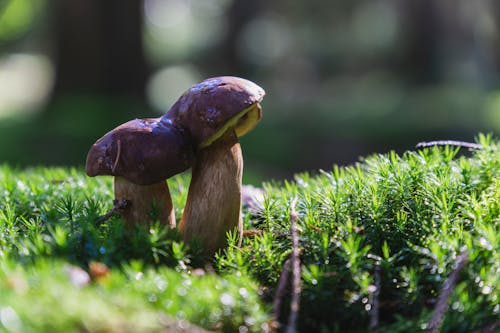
<point x="143" y="151"/>
<point x="208" y="108"/>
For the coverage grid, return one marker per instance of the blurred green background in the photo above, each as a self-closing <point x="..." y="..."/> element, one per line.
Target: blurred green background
<point x="343" y="78"/>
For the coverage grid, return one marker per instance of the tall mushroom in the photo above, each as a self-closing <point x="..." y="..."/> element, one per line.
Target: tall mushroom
<point x="215" y="112"/>
<point x="141" y="154"/>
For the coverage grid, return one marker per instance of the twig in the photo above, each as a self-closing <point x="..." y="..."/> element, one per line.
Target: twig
<point x="374" y="300"/>
<point x="252" y="232"/>
<point x="448" y="143"/>
<point x="118" y="207"/>
<point x="295" y="263"/>
<point x="280" y="290"/>
<point x="448" y="287"/>
<point x="489" y="329"/>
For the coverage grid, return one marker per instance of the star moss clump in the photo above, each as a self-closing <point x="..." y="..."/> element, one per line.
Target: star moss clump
<point x="381" y="236"/>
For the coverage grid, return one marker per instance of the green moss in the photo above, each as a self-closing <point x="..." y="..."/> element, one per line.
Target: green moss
<point x="409" y="215"/>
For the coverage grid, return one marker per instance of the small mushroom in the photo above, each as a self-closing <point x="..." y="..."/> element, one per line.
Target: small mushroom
<point x="141" y="154"/>
<point x="215" y="112"/>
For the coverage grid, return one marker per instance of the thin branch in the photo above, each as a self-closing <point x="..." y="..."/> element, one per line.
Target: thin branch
<point x="296" y="276"/>
<point x="448" y="287"/>
<point x="280" y="290"/>
<point x="454" y="143"/>
<point x="118" y="207"/>
<point x="489" y="329"/>
<point x="374" y="300"/>
<point x="252" y="232"/>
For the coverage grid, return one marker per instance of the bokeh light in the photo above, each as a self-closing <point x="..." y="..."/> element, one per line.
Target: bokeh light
<point x="25" y="83"/>
<point x="167" y="84"/>
<point x="265" y="40"/>
<point x="344" y="79"/>
<point x="176" y="29"/>
<point x="17" y="17"/>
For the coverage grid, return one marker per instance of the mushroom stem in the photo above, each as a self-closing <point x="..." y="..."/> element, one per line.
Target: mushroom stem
<point x="213" y="205"/>
<point x="147" y="202"/>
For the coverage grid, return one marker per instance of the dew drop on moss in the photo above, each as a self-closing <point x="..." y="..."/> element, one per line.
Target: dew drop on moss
<point x="250" y="321"/>
<point x="243" y="292"/>
<point x="486" y="290"/>
<point x="161" y="284"/>
<point x="181" y="291"/>
<point x="227" y="300"/>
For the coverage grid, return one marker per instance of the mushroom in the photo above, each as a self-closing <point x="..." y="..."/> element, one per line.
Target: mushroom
<point x="141" y="154"/>
<point x="215" y="112"/>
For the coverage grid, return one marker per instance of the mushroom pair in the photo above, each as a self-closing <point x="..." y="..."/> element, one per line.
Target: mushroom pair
<point x="201" y="131"/>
